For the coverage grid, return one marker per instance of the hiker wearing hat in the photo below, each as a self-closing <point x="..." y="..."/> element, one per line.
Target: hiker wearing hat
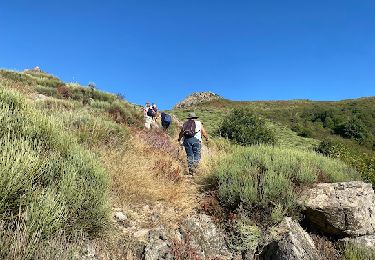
<point x="192" y="131"/>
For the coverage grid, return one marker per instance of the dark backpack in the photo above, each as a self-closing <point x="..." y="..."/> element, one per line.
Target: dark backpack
<point x="189" y="128"/>
<point x="151" y="112"/>
<point x="167" y="118"/>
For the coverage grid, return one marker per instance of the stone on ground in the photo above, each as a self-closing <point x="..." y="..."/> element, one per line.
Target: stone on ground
<point x="294" y="243"/>
<point x="341" y="209"/>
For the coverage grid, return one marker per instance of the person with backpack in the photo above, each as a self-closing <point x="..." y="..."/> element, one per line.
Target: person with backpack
<point x="192" y="132"/>
<point x="147" y="117"/>
<point x="165" y="120"/>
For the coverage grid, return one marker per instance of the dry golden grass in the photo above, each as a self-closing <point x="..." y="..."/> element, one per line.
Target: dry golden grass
<point x="142" y="176"/>
<point x="20" y="87"/>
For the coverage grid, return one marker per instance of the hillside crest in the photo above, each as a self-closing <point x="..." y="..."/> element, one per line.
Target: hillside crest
<point x="196" y="98"/>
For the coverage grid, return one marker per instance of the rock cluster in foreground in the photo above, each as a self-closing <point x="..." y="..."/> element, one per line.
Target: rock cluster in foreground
<point x="344" y="210"/>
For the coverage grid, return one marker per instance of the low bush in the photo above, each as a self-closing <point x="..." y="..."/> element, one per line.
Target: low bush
<point x="244" y="235"/>
<point x="268" y="177"/>
<point x="363" y="162"/>
<point x="353" y="128"/>
<point x="18" y="243"/>
<point x="94" y="131"/>
<point x="353" y="252"/>
<point x="124" y="113"/>
<point x="64" y="91"/>
<point x="245" y="128"/>
<point x="47" y="91"/>
<point x="18" y="77"/>
<point x="48" y="182"/>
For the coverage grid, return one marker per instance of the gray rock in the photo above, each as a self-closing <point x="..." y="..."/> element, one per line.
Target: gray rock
<point x="367" y="242"/>
<point x="141" y="234"/>
<point x="205" y="238"/>
<point x="196" y="98"/>
<point x="158" y="246"/>
<point x="38" y="97"/>
<point x="294" y="244"/>
<point x="341" y="209"/>
<point x="196" y="238"/>
<point x="120" y="216"/>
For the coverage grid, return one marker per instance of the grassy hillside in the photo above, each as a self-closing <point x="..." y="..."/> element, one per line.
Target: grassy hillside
<point x="346" y="127"/>
<point x="70" y="154"/>
<point x="73" y="154"/>
<point x="307" y="118"/>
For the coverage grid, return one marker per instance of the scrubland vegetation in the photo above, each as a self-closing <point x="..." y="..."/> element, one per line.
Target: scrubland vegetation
<point x="251" y="188"/>
<point x="48" y="183"/>
<point x="67" y="158"/>
<point x="269" y="177"/>
<point x="74" y="153"/>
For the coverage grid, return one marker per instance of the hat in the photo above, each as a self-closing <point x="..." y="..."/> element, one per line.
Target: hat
<point x="191" y="115"/>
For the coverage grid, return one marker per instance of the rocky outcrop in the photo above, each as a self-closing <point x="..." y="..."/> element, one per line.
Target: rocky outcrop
<point x="35" y="69"/>
<point x="205" y="238"/>
<point x="367" y="242"/>
<point x="341" y="209"/>
<point x="196" y="98"/>
<point x="158" y="246"/>
<point x="293" y="243"/>
<point x="197" y="238"/>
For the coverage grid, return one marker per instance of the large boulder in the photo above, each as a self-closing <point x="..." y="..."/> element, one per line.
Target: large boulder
<point x="341" y="209"/>
<point x="293" y="243"/>
<point x="204" y="238"/>
<point x="197" y="238"/>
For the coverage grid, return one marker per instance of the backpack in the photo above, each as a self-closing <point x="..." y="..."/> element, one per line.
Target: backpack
<point x="151" y="112"/>
<point x="167" y="118"/>
<point x="189" y="128"/>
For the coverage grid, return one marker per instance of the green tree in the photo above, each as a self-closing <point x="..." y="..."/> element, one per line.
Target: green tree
<point x="354" y="128"/>
<point x="245" y="128"/>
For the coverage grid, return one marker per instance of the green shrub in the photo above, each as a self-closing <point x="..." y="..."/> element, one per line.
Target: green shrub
<point x="93" y="131"/>
<point x="353" y="252"/>
<point x="18" y="243"/>
<point x="47" y="91"/>
<point x="47" y="180"/>
<point x="122" y="112"/>
<point x="330" y="148"/>
<point x="244" y="235"/>
<point x="303" y="130"/>
<point x="101" y="105"/>
<point x="245" y="128"/>
<point x="265" y="176"/>
<point x="364" y="163"/>
<point x="103" y="96"/>
<point x="354" y="128"/>
<point x="17" y="77"/>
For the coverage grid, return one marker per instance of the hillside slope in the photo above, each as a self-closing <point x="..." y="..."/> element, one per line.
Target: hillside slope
<point x="80" y="177"/>
<point x="80" y="155"/>
<point x="344" y="129"/>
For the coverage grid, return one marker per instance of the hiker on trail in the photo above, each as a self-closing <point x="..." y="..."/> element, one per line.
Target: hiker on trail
<point x="150" y="115"/>
<point x="165" y="120"/>
<point x="148" y="119"/>
<point x="192" y="131"/>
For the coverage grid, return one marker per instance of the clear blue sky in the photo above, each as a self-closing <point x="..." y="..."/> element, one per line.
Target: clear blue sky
<point x="162" y="50"/>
